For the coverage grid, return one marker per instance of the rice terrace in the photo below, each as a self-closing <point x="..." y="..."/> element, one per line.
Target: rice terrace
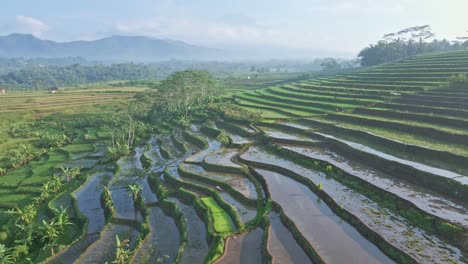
<point x="133" y="149"/>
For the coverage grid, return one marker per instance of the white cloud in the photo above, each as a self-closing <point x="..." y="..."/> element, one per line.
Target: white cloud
<point x="25" y="24"/>
<point x="197" y="31"/>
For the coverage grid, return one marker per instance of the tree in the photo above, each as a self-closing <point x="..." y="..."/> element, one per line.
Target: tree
<point x="330" y="64"/>
<point x="459" y="81"/>
<point x="135" y="191"/>
<point x="5" y="255"/>
<point x="56" y="183"/>
<point x="25" y="216"/>
<point x="62" y="220"/>
<point x="181" y="93"/>
<point x="122" y="254"/>
<point x="70" y="173"/>
<point x="49" y="234"/>
<point x="404" y="43"/>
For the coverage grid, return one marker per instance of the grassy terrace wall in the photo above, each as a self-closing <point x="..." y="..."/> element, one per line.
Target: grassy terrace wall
<point x="444" y="121"/>
<point x="427" y="132"/>
<point x="165" y="153"/>
<point x="178" y="144"/>
<point x="453" y="160"/>
<point x="226" y="186"/>
<point x="445" y="186"/>
<point x="145" y="161"/>
<point x="233" y="128"/>
<point x="195" y="140"/>
<point x="425" y="109"/>
<point x="229" y="209"/>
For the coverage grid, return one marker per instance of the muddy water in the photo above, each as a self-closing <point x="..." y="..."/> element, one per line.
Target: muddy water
<point x="163" y="242"/>
<point x="424" y="199"/>
<point x="146" y="193"/>
<point x="296" y="125"/>
<point x="104" y="249"/>
<point x="152" y="152"/>
<point x="239" y="182"/>
<point x="415" y="242"/>
<point x="245" y="127"/>
<point x="236" y="139"/>
<point x="244" y="249"/>
<point x="246" y="213"/>
<point x="239" y="140"/>
<point x="124" y="205"/>
<point x="334" y="240"/>
<point x="281" y="244"/>
<point x="223" y="157"/>
<point x="89" y="201"/>
<point x="282" y="135"/>
<point x="131" y="172"/>
<point x="89" y="204"/>
<point x="441" y="172"/>
<point x="169" y="146"/>
<point x="197" y="248"/>
<point x="71" y="254"/>
<point x="213" y="145"/>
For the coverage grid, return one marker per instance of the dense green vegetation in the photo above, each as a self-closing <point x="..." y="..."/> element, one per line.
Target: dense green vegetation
<point x="58" y="76"/>
<point x="405" y="43"/>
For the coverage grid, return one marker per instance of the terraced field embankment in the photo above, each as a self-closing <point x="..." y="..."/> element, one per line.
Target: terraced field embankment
<point x="393" y="134"/>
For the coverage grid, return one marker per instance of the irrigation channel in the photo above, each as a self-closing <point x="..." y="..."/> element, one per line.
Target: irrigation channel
<point x="253" y="202"/>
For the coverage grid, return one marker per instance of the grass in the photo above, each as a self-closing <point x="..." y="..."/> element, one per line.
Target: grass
<point x="405" y="138"/>
<point x="408" y="122"/>
<point x="92" y="133"/>
<point x="222" y="221"/>
<point x="78" y="148"/>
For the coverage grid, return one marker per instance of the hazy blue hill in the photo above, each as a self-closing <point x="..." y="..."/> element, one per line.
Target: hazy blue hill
<point x="115" y="48"/>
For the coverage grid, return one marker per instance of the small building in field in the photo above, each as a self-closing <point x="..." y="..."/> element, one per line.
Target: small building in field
<point x="2" y="90"/>
<point x="54" y="90"/>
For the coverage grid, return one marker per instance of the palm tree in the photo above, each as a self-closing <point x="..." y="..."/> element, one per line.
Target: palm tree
<point x="70" y="173"/>
<point x="108" y="202"/>
<point x="50" y="233"/>
<point x="122" y="255"/>
<point x="45" y="191"/>
<point x="135" y="191"/>
<point x="56" y="183"/>
<point x="25" y="216"/>
<point x="5" y="255"/>
<point x="61" y="219"/>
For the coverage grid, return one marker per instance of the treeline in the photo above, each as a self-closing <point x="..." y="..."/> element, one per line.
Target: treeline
<point x="57" y="76"/>
<point x="405" y="43"/>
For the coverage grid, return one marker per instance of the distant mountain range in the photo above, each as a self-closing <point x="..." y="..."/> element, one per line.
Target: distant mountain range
<point x="115" y="48"/>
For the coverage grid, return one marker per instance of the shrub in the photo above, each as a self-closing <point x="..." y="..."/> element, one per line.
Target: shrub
<point x="224" y="138"/>
<point x="459" y="81"/>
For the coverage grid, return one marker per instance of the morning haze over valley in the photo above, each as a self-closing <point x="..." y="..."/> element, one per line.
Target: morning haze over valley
<point x="241" y="132"/>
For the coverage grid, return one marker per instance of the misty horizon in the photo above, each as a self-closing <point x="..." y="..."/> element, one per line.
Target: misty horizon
<point x="294" y="29"/>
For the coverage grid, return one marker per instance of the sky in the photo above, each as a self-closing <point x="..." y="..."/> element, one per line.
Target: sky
<point x="319" y="27"/>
